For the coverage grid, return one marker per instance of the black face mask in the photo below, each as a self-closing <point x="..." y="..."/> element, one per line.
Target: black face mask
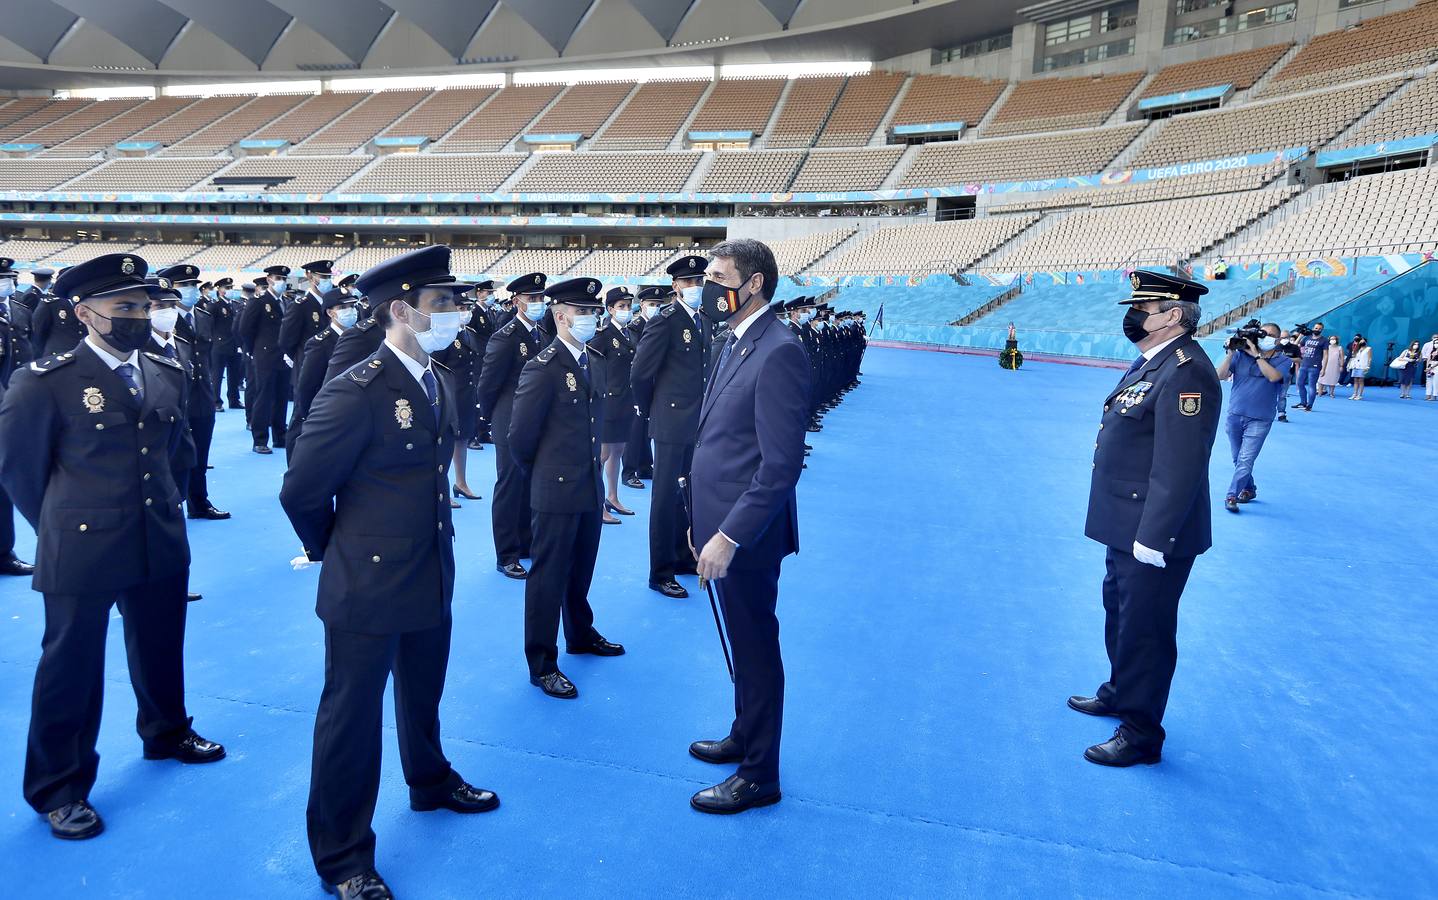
<point x="1133" y="324"/>
<point x="126" y="335"/>
<point x="718" y="301"/>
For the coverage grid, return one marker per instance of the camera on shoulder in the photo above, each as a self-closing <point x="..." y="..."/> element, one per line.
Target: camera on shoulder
<point x="1252" y="330"/>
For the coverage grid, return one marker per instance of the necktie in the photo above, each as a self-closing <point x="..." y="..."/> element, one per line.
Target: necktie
<point x="169" y="351"/>
<point x="127" y="375"/>
<point x="723" y="357"/>
<point x="431" y="389"/>
<point x="584" y="366"/>
<point x="1135" y="366"/>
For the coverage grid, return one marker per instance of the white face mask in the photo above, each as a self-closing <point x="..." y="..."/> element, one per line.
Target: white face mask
<point x="582" y="327"/>
<point x="7" y="288"/>
<point x="347" y="317"/>
<point x="623" y="316"/>
<point x="277" y="286"/>
<point x="443" y="328"/>
<point x="692" y="296"/>
<point x="164" y="319"/>
<point x="534" y="311"/>
<point x="651" y="311"/>
<point x="466" y="316"/>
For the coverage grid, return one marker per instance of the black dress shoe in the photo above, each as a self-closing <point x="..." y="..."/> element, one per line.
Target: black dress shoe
<point x="75" y="821"/>
<point x="670" y="588"/>
<point x="1090" y="706"/>
<point x="815" y="428"/>
<point x="807" y="448"/>
<point x="1230" y="503"/>
<point x="191" y="597"/>
<point x="219" y="407"/>
<point x="193" y="750"/>
<point x="610" y="507"/>
<point x="263" y="450"/>
<point x="13" y="566"/>
<point x="734" y="795"/>
<point x="633" y="482"/>
<point x="466" y="493"/>
<point x="476" y="444"/>
<point x="1119" y="752"/>
<point x="719" y="752"/>
<point x="600" y="647"/>
<point x="237" y="406"/>
<point x="555" y="685"/>
<point x="365" y="886"/>
<point x="464" y="799"/>
<point x="209" y="512"/>
<point x="512" y="570"/>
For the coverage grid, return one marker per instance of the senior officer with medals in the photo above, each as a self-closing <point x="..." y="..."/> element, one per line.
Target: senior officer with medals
<point x="1149" y="505"/>
<point x="367" y="492"/>
<point x="88" y="438"/>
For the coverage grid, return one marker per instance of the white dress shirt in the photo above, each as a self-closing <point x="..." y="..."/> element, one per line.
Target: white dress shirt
<point x="133" y="360"/>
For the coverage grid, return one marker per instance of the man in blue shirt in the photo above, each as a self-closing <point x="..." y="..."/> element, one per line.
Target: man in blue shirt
<point x="1310" y="362"/>
<point x="1258" y="372"/>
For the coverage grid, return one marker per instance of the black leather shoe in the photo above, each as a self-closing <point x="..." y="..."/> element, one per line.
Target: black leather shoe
<point x="512" y="570"/>
<point x="263" y="450"/>
<point x="466" y="493"/>
<point x="600" y="647"/>
<point x="734" y="795"/>
<point x="237" y="406"/>
<point x="670" y="588"/>
<point x="464" y="799"/>
<point x="13" y="566"/>
<point x="476" y="444"/>
<point x="1230" y="504"/>
<point x="815" y="428"/>
<point x="1117" y="751"/>
<point x="193" y="750"/>
<point x="719" y="752"/>
<point x="364" y="886"/>
<point x="191" y="597"/>
<point x="1090" y="706"/>
<point x="219" y="407"/>
<point x="209" y="512"/>
<point x="633" y="482"/>
<point x="555" y="685"/>
<point x="75" y="821"/>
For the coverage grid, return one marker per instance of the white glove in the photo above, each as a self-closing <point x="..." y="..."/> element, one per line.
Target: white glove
<point x="1148" y="557"/>
<point x="302" y="562"/>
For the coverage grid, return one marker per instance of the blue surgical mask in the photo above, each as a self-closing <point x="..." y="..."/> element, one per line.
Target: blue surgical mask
<point x="692" y="296"/>
<point x="189" y="295"/>
<point x="534" y="310"/>
<point x="583" y="327"/>
<point x="325" y="285"/>
<point x="623" y="316"/>
<point x="7" y="288"/>
<point x="347" y="316"/>
<point x="819" y="325"/>
<point x="1268" y="343"/>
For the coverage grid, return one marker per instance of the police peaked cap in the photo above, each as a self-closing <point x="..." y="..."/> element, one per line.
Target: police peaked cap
<point x="1158" y="286"/>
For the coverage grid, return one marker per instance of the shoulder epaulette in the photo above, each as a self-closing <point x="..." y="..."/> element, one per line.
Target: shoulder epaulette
<point x="508" y="327"/>
<point x="52" y="362"/>
<point x="367" y="324"/>
<point x="669" y="310"/>
<point x="1183" y="358"/>
<point x="163" y="360"/>
<point x="546" y="355"/>
<point x="363" y="373"/>
<point x="323" y="335"/>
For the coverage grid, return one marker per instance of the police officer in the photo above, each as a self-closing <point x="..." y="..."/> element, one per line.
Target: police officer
<point x="41" y="280"/>
<point x="87" y="441"/>
<point x="341" y="310"/>
<point x="614" y="344"/>
<point x="638" y="462"/>
<point x="1148" y="503"/>
<point x="668" y="374"/>
<point x="483" y="325"/>
<point x="462" y="358"/>
<point x="367" y="493"/>
<point x="14" y="354"/>
<point x="305" y="317"/>
<point x="20" y="310"/>
<point x="226" y="361"/>
<point x="260" y="336"/>
<point x="512" y="346"/>
<point x="554" y="436"/>
<point x="53" y="326"/>
<point x="356" y="343"/>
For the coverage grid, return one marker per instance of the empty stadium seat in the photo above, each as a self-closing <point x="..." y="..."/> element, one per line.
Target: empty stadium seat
<point x="861" y="107"/>
<point x="1018" y="159"/>
<point x="23" y="250"/>
<point x="120" y="127"/>
<point x="439" y="112"/>
<point x="1050" y="104"/>
<point x="80" y="121"/>
<point x="303" y="174"/>
<point x="1240" y="69"/>
<point x="583" y="108"/>
<point x="611" y="263"/>
<point x="522" y="261"/>
<point x="610" y="173"/>
<point x="947" y="98"/>
<point x="1195" y="185"/>
<point x="41" y="174"/>
<point x="362" y="122"/>
<point x="846" y="170"/>
<point x="1376" y="46"/>
<point x="652" y="117"/>
<point x="314" y="113"/>
<point x="803" y="112"/>
<point x="148" y="174"/>
<point x="501" y="119"/>
<point x="438" y="173"/>
<point x="796" y="254"/>
<point x="927" y="246"/>
<point x="739" y="104"/>
<point x="39" y="117"/>
<point x="1412" y="112"/>
<point x="255" y="113"/>
<point x="748" y="171"/>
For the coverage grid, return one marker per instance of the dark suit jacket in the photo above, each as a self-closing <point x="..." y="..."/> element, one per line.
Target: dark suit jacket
<point x="554" y="430"/>
<point x="259" y="331"/>
<point x="750" y="448"/>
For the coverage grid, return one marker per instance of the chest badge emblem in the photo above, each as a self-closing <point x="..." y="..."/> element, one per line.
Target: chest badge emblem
<point x="688" y="338"/>
<point x="1190" y="404"/>
<point x="315" y="316"/>
<point x="62" y="314"/>
<point x="570" y="382"/>
<point x="616" y="343"/>
<point x="94" y="400"/>
<point x="523" y="349"/>
<point x="403" y="413"/>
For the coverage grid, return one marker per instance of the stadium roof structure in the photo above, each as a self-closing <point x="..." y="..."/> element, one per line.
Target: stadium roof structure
<point x="98" y="43"/>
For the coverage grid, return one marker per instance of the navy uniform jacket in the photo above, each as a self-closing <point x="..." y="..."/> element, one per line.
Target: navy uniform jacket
<point x="354" y="346"/>
<point x="90" y="469"/>
<point x="367" y="491"/>
<point x="618" y="351"/>
<point x="303" y="320"/>
<point x="668" y="374"/>
<point x="15" y="350"/>
<point x="554" y="431"/>
<point x="1150" y="462"/>
<point x="317" y="353"/>
<point x="54" y="327"/>
<point x="30" y="297"/>
<point x="259" y="331"/>
<point x="222" y="317"/>
<point x="509" y="351"/>
<point x="199" y="340"/>
<point x="750" y="447"/>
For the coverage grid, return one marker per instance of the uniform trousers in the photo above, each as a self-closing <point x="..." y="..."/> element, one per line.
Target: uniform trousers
<point x="267" y="413"/>
<point x="60" y="757"/>
<point x="202" y="429"/>
<point x="565" y="547"/>
<point x="668" y="527"/>
<point x="748" y="598"/>
<point x="509" y="509"/>
<point x="638" y="455"/>
<point x="7" y="527"/>
<point x="1140" y="629"/>
<point x="349" y="739"/>
<point x="230" y="366"/>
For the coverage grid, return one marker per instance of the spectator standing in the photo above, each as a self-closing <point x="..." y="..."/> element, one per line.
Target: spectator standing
<point x="1407" y="364"/>
<point x="1431" y="367"/>
<point x="1332" y="369"/>
<point x="1311" y="353"/>
<point x="1360" y="360"/>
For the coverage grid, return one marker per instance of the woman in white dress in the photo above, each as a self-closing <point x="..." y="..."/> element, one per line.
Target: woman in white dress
<point x="1331" y="373"/>
<point x="1358" y="365"/>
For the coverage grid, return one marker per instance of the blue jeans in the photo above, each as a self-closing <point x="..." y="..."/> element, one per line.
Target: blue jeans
<point x="1307" y="385"/>
<point x="1246" y="437"/>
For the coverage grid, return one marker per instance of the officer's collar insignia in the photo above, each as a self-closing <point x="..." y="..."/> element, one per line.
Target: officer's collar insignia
<point x="1190" y="404"/>
<point x="403" y="413"/>
<point x="570" y="382"/>
<point x="94" y="400"/>
<point x="523" y="349"/>
<point x="1182" y="357"/>
<point x="687" y="336"/>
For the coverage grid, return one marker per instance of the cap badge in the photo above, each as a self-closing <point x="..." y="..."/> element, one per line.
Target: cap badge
<point x="570" y="382"/>
<point x="127" y="266"/>
<point x="694" y="262"/>
<point x="538" y="279"/>
<point x="592" y="286"/>
<point x="1190" y="404"/>
<point x="94" y="400"/>
<point x="403" y="413"/>
<point x="164" y="282"/>
<point x="1135" y="281"/>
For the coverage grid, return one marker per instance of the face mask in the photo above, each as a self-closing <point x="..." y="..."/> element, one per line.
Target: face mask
<point x="491" y="302"/>
<point x="236" y="295"/>
<point x="465" y="316"/>
<point x="443" y="328"/>
<point x="347" y="317"/>
<point x="1333" y="343"/>
<point x="324" y="285"/>
<point x="819" y="325"/>
<point x="582" y="327"/>
<point x="189" y="296"/>
<point x="651" y="311"/>
<point x="1266" y="344"/>
<point x="693" y="295"/>
<point x="1133" y="321"/>
<point x="164" y="319"/>
<point x="7" y="288"/>
<point x="277" y="287"/>
<point x="806" y="316"/>
<point x="126" y="335"/>
<point x="623" y="316"/>
<point x="534" y="311"/>
<point x="720" y="302"/>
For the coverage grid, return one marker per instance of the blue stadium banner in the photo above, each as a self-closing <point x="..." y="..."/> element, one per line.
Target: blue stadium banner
<point x="566" y="138"/>
<point x="19" y="148"/>
<point x="1183" y="98"/>
<point x="929" y="128"/>
<point x="1376" y="151"/>
<point x="147" y="146"/>
<point x="265" y="144"/>
<point x="721" y="135"/>
<point x="400" y="141"/>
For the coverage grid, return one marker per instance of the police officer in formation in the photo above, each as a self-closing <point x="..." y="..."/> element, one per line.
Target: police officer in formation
<point x="226" y="361"/>
<point x="615" y="345"/>
<point x="41" y="280"/>
<point x="463" y="357"/>
<point x="668" y="375"/>
<point x="554" y="436"/>
<point x="90" y="439"/>
<point x="53" y="325"/>
<point x="341" y="312"/>
<point x="15" y="353"/>
<point x="1148" y="504"/>
<point x="638" y="462"/>
<point x="260" y="327"/>
<point x="512" y="346"/>
<point x="304" y="317"/>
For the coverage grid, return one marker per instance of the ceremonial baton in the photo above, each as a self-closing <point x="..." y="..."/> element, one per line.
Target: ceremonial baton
<point x="708" y="587"/>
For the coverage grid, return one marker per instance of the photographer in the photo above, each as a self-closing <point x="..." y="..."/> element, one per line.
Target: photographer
<point x="1258" y="371"/>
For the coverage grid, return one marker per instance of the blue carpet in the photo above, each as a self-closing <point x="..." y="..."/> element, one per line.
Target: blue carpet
<point x="944" y="605"/>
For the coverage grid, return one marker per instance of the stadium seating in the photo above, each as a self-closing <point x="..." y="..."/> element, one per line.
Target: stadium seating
<point x="41" y="174"/>
<point x="146" y="174"/>
<point x="220" y="136"/>
<point x="523" y="260"/>
<point x="745" y="171"/>
<point x="159" y="253"/>
<point x="1383" y="44"/>
<point x="1272" y="125"/>
<point x="583" y="108"/>
<point x="24" y="251"/>
<point x="120" y="127"/>
<point x="228" y="257"/>
<point x="1051" y="104"/>
<point x="362" y="258"/>
<point x="438" y="173"/>
<point x="803" y="112"/>
<point x="616" y="173"/>
<point x="439" y="113"/>
<point x="362" y="122"/>
<point x="794" y="255"/>
<point x="1411" y="112"/>
<point x="40" y="116"/>
<point x="314" y="113"/>
<point x="302" y="174"/>
<point x="192" y="118"/>
<point x="608" y="263"/>
<point x="860" y="109"/>
<point x="652" y="116"/>
<point x="927" y="246"/>
<point x="947" y="98"/>
<point x="1195" y="185"/>
<point x="739" y="104"/>
<point x="1018" y="159"/>
<point x="846" y="170"/>
<point x="297" y="255"/>
<point x="475" y="260"/>
<point x="16" y="108"/>
<point x="503" y="117"/>
<point x="87" y="250"/>
<point x="80" y="121"/>
<point x="1240" y="69"/>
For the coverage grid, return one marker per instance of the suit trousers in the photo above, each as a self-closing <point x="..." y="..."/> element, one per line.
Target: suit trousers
<point x="668" y="526"/>
<point x="1140" y="629"/>
<point x="749" y="598"/>
<point x="60" y="757"/>
<point x="509" y="509"/>
<point x="202" y="429"/>
<point x="565" y="547"/>
<point x="349" y="739"/>
<point x="271" y="396"/>
<point x="638" y="454"/>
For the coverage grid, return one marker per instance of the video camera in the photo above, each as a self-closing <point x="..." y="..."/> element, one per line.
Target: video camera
<point x="1252" y="330"/>
<point x="1302" y="329"/>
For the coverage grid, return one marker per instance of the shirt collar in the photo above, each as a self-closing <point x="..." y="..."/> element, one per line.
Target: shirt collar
<point x="162" y="340"/>
<point x="744" y="325"/>
<point x="693" y="313"/>
<point x="133" y="359"/>
<point x="572" y="351"/>
<point x="526" y="323"/>
<point x="410" y="364"/>
<point x="335" y="327"/>
<point x="1151" y="352"/>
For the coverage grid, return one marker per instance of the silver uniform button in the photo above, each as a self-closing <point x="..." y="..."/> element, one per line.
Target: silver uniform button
<point x="84" y="527"/>
<point x="374" y="559"/>
<point x="148" y="501"/>
<point x="144" y="451"/>
<point x="409" y="446"/>
<point x="140" y="425"/>
<point x="561" y="478"/>
<point x="147" y="477"/>
<point x="99" y="426"/>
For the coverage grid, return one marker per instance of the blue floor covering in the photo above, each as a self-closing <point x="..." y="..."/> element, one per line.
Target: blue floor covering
<point x="944" y="605"/>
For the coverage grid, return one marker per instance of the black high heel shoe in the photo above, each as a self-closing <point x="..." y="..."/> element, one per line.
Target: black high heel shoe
<point x="461" y="492"/>
<point x="610" y="507"/>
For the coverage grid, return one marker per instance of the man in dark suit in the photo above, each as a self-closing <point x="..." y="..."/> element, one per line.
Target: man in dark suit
<point x="89" y="439"/>
<point x="367" y="492"/>
<point x="260" y="336"/>
<point x="14" y="354"/>
<point x="1148" y="504"/>
<point x="554" y="436"/>
<point x="305" y="317"/>
<point x="41" y="280"/>
<point x="668" y="373"/>
<point x="747" y="460"/>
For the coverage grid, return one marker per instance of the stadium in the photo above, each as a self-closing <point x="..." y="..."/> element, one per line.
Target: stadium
<point x="964" y="174"/>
